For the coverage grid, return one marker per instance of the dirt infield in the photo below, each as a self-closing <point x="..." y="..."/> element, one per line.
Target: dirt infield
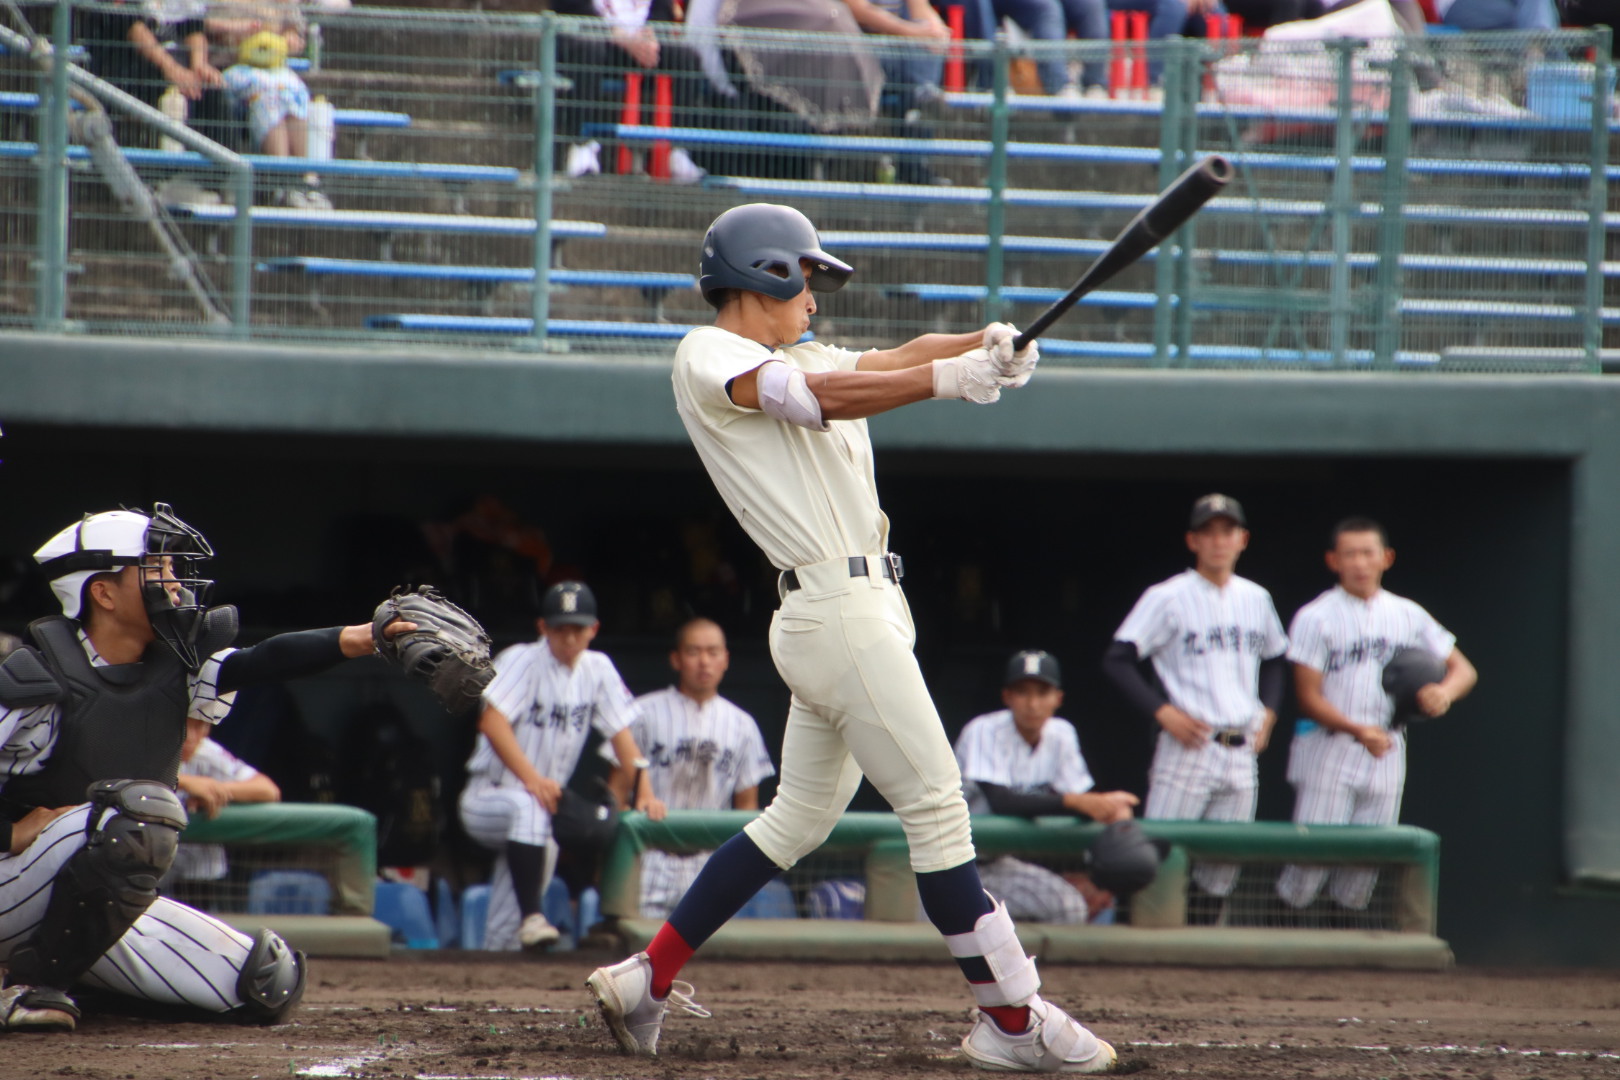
<point x="507" y="1017"/>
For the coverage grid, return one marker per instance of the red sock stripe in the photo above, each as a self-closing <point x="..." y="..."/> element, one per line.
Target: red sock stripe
<point x="668" y="953"/>
<point x="1013" y="1019"/>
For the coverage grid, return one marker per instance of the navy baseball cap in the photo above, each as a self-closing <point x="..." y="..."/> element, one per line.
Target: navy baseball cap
<point x="1036" y="664"/>
<point x="569" y="603"/>
<point x="1210" y="507"/>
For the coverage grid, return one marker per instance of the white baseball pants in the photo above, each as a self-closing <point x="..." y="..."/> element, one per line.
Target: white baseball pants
<point x="843" y="646"/>
<point x="1212" y="783"/>
<point x="1337" y="782"/>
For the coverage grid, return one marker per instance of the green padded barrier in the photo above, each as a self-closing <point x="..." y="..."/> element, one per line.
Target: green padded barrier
<point x="349" y="829"/>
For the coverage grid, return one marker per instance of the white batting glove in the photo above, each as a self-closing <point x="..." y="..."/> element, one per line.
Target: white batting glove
<point x="969" y="377"/>
<point x="1013" y="369"/>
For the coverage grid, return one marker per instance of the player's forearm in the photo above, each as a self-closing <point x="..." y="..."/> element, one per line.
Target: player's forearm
<point x="1273" y="677"/>
<point x="855" y="395"/>
<point x="1461" y="676"/>
<point x="1119" y="663"/>
<point x="1318" y="708"/>
<point x="259" y="788"/>
<point x="494" y="726"/>
<point x="1027" y="804"/>
<point x="919" y="350"/>
<point x="284" y="656"/>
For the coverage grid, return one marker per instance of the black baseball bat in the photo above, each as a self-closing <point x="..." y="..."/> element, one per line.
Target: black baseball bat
<point x="1178" y="202"/>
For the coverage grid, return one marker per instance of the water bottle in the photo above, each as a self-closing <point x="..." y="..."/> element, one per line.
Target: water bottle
<point x="173" y="105"/>
<point x="886" y="170"/>
<point x="321" y="128"/>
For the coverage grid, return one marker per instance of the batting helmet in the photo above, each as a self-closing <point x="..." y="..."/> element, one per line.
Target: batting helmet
<point x="1406" y="672"/>
<point x="1123" y="859"/>
<point x="757" y="247"/>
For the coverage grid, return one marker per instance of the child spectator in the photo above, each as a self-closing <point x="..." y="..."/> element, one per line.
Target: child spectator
<point x="276" y="102"/>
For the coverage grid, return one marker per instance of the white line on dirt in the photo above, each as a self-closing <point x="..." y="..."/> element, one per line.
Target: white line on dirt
<point x="1498" y="1051"/>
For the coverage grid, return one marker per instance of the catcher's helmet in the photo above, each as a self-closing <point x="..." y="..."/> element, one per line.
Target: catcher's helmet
<point x="114" y="539"/>
<point x="757" y="247"/>
<point x="1124" y="859"/>
<point x="1406" y="672"/>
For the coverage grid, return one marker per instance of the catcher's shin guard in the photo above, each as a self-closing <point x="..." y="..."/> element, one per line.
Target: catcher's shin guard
<point x="1012" y="979"/>
<point x="272" y="980"/>
<point x="106" y="885"/>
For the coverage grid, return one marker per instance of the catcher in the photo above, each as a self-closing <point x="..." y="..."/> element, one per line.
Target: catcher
<point x="92" y="719"/>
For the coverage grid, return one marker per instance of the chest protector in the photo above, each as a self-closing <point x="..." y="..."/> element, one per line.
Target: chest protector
<point x="118" y="722"/>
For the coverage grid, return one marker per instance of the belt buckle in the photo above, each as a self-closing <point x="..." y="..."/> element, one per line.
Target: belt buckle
<point x="896" y="565"/>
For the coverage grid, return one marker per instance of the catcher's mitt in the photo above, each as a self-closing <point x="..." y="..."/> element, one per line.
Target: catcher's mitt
<point x="448" y="651"/>
<point x="1123" y="859"/>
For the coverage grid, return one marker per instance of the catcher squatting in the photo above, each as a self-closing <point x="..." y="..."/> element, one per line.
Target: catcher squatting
<point x="781" y="429"/>
<point x="92" y="719"/>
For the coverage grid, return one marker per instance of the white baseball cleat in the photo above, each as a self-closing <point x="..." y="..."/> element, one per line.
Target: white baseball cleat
<point x="30" y="1008"/>
<point x="624" y="996"/>
<point x="1055" y="1042"/>
<point x="537" y="931"/>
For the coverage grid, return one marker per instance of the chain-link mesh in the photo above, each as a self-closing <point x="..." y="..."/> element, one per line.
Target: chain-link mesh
<point x="1405" y="204"/>
<point x="257" y="879"/>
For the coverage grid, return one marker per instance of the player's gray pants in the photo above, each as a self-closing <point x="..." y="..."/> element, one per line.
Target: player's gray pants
<point x="1211" y="783"/>
<point x="1033" y="893"/>
<point x="843" y="646"/>
<point x="1337" y="782"/>
<point x="173" y="954"/>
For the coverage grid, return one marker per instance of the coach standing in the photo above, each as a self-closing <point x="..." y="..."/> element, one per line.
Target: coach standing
<point x="781" y="428"/>
<point x="1217" y="646"/>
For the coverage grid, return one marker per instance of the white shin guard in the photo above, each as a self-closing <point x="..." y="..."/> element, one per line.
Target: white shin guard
<point x="996" y="939"/>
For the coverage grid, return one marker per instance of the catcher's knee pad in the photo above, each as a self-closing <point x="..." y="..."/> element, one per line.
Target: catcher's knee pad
<point x="1012" y="976"/>
<point x="104" y="886"/>
<point x="271" y="981"/>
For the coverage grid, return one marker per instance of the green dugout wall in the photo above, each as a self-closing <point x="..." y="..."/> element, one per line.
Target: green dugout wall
<point x="1499" y="492"/>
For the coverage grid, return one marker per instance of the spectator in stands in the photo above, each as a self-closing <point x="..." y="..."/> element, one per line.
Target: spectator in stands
<point x="1089" y="19"/>
<point x="1498" y="14"/>
<point x="276" y="103"/>
<point x="913" y="65"/>
<point x="704" y="753"/>
<point x="538" y="714"/>
<point x="144" y="49"/>
<point x="1024" y="761"/>
<point x="211" y="778"/>
<point x="1259" y="14"/>
<point x="594" y="64"/>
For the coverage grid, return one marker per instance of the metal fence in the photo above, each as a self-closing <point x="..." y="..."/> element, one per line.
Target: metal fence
<point x="534" y="183"/>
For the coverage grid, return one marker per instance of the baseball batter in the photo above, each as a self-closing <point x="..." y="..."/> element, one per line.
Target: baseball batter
<point x="781" y="428"/>
<point x="1217" y="646"/>
<point x="1025" y="761"/>
<point x="538" y="712"/>
<point x="92" y="721"/>
<point x="703" y="753"/>
<point x="1347" y="764"/>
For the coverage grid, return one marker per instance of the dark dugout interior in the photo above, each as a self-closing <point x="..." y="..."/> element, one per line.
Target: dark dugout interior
<point x="1002" y="553"/>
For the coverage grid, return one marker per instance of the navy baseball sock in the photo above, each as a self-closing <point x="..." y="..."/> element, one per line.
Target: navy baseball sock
<point x="731" y="877"/>
<point x="527" y="862"/>
<point x="955" y="901"/>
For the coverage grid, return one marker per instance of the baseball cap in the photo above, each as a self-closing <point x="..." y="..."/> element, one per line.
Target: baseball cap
<point x="569" y="603"/>
<point x="1036" y="664"/>
<point x="1210" y="507"/>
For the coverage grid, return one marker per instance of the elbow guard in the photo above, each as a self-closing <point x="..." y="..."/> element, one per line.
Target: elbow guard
<point x="784" y="394"/>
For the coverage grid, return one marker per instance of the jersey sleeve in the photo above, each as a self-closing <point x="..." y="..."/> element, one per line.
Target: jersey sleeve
<point x="1276" y="639"/>
<point x="975" y="756"/>
<point x="1307" y="640"/>
<point x="1072" y="777"/>
<point x="1150" y="626"/>
<point x="213" y="761"/>
<point x="755" y="759"/>
<point x="510" y="690"/>
<point x="615" y="706"/>
<point x="1434" y="637"/>
<point x="207" y="703"/>
<point x="26" y="737"/>
<point x="707" y="361"/>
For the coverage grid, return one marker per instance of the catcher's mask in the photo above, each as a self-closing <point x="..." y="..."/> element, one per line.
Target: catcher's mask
<point x="169" y="554"/>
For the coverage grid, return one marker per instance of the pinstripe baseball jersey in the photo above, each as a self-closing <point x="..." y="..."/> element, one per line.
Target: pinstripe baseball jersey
<point x="206" y="862"/>
<point x="701" y="754"/>
<point x="27" y="735"/>
<point x="991" y="751"/>
<point x="1206" y="643"/>
<point x="551" y="706"/>
<point x="1348" y="639"/>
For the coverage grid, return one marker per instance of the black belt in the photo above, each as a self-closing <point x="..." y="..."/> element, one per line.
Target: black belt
<point x="1230" y="738"/>
<point x="893" y="568"/>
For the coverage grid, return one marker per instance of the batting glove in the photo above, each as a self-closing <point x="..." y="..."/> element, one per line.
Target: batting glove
<point x="1013" y="369"/>
<point x="970" y="377"/>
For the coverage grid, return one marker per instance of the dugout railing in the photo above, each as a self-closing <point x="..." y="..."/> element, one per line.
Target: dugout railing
<point x="1400" y="204"/>
<point x="1170" y="922"/>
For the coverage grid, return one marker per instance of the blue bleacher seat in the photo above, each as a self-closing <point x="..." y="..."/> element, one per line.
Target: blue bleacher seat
<point x="374" y="118"/>
<point x="774" y="901"/>
<point x="289" y="892"/>
<point x="474" y="914"/>
<point x="446" y="914"/>
<point x="387" y="221"/>
<point x="404" y="909"/>
<point x="493" y="324"/>
<point x="517" y="275"/>
<point x="269" y="163"/>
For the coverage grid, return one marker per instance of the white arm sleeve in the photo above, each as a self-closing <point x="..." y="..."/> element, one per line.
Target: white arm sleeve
<point x="785" y="395"/>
